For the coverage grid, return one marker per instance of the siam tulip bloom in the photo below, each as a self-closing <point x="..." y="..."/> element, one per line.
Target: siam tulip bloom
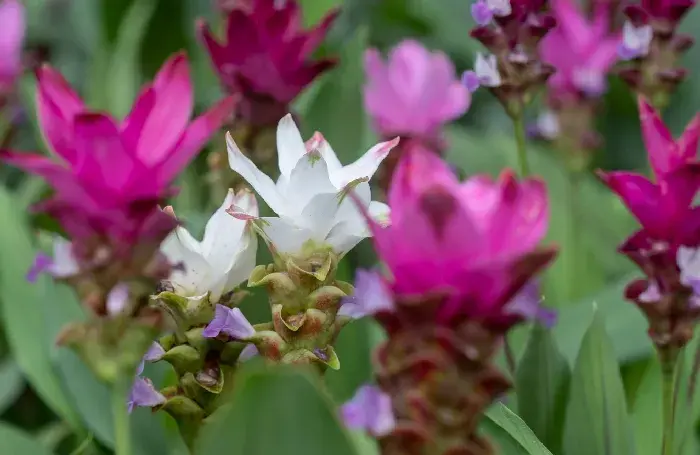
<point x="477" y="259"/>
<point x="265" y="57"/>
<point x="309" y="196"/>
<point x="461" y="258"/>
<point x="12" y="29"/>
<point x="582" y="51"/>
<point x="414" y="93"/>
<point x="110" y="175"/>
<point x="222" y="260"/>
<point x="369" y="410"/>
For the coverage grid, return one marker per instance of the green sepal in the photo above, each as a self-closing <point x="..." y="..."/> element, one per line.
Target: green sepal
<point x="184" y="358"/>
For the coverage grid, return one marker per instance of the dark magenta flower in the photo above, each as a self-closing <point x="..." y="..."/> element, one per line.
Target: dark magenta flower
<point x="266" y="57"/>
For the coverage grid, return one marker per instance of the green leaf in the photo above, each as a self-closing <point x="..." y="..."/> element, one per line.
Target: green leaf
<point x="624" y="322"/>
<point x="510" y="433"/>
<point x="315" y="10"/>
<point x="123" y="76"/>
<point x="279" y="411"/>
<point x="11" y="384"/>
<point x="647" y="410"/>
<point x="596" y="417"/>
<point x="15" y="441"/>
<point x="25" y="322"/>
<point x="542" y="387"/>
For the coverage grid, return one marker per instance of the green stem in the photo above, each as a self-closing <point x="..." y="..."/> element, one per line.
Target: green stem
<point x="668" y="371"/>
<point x="520" y="140"/>
<point x="122" y="428"/>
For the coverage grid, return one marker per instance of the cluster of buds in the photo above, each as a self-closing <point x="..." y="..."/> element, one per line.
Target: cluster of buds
<point x="512" y="32"/>
<point x="446" y="316"/>
<point x="265" y="59"/>
<point x="412" y="95"/>
<point x="108" y="183"/>
<point x="582" y="52"/>
<point x="666" y="246"/>
<point x="196" y="296"/>
<point x="652" y="45"/>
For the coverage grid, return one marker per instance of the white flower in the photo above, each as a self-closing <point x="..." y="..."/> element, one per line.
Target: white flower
<point x="222" y="260"/>
<point x="486" y="69"/>
<point x="310" y="194"/>
<point x="635" y="41"/>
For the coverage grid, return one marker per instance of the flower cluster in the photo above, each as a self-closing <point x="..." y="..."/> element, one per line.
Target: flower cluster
<point x="666" y="246"/>
<point x="652" y="45"/>
<point x="459" y="255"/>
<point x="108" y="179"/>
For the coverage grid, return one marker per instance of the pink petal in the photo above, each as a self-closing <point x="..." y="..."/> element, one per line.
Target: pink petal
<point x="316" y="36"/>
<point x="12" y="29"/>
<point x="133" y="124"/>
<point x="57" y="104"/>
<point x="572" y="23"/>
<point x="102" y="160"/>
<point x="40" y="165"/>
<point x="657" y="138"/>
<point x="217" y="52"/>
<point x="171" y="112"/>
<point x="195" y="137"/>
<point x="641" y="197"/>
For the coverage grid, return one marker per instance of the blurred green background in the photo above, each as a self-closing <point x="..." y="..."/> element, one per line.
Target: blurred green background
<point x="50" y="403"/>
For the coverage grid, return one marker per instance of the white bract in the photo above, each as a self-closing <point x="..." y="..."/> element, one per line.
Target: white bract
<point x="486" y="68"/>
<point x="310" y="196"/>
<point x="222" y="260"/>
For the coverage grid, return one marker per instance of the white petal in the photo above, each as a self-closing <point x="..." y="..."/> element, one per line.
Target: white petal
<point x="64" y="263"/>
<point x="319" y="215"/>
<point x="365" y="166"/>
<point x="318" y="142"/>
<point x="244" y="262"/>
<point x="182" y="250"/>
<point x="380" y="212"/>
<point x="290" y="145"/>
<point x="348" y="208"/>
<point x="260" y="182"/>
<point x="344" y="237"/>
<point x="487" y="70"/>
<point x="309" y="178"/>
<point x="284" y="236"/>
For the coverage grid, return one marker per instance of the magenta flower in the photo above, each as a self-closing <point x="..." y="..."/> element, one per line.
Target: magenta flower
<point x="663" y="208"/>
<point x="110" y="175"/>
<point x="474" y="242"/>
<point x="12" y="29"/>
<point x="265" y="57"/>
<point x="414" y="93"/>
<point x="582" y="51"/>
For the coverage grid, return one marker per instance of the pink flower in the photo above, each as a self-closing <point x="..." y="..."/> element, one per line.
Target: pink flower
<point x="665" y="208"/>
<point x="12" y="28"/>
<point x="475" y="242"/>
<point x="582" y="52"/>
<point x="265" y="57"/>
<point x="111" y="174"/>
<point x="414" y="93"/>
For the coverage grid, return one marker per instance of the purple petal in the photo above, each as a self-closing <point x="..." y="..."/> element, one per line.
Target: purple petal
<point x="481" y="13"/>
<point x="248" y="352"/>
<point x="527" y="303"/>
<point x="651" y="294"/>
<point x="371" y="296"/>
<point x="229" y="321"/>
<point x="369" y="410"/>
<point x="627" y="53"/>
<point x="144" y="394"/>
<point x="42" y="263"/>
<point x="154" y="353"/>
<point x="471" y="81"/>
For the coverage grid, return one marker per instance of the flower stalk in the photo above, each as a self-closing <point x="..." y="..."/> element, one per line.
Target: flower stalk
<point x="122" y="426"/>
<point x="669" y="361"/>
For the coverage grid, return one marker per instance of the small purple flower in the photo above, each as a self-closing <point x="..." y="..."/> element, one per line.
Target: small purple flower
<point x="635" y="41"/>
<point x="527" y="303"/>
<point x="471" y="81"/>
<point x="371" y="296"/>
<point x="42" y="263"/>
<point x="369" y="410"/>
<point x="485" y="73"/>
<point x="481" y="12"/>
<point x="154" y="353"/>
<point x="248" y="352"/>
<point x="547" y="126"/>
<point x="144" y="394"/>
<point x="231" y="322"/>
<point x="688" y="260"/>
